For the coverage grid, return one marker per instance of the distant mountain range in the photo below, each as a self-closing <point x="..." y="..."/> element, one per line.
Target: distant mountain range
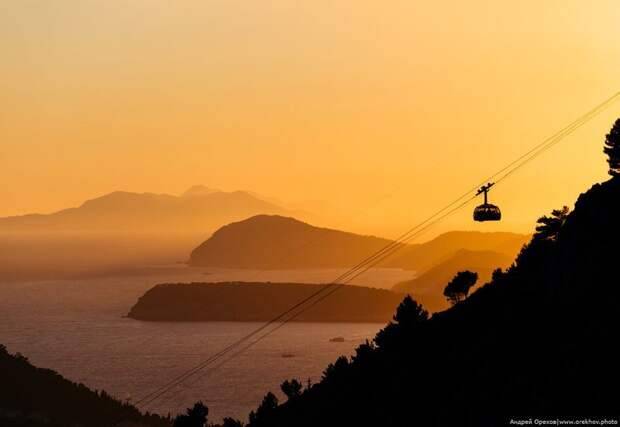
<point x="125" y="230"/>
<point x="199" y="209"/>
<point x="120" y="230"/>
<point x="277" y="242"/>
<point x="421" y="257"/>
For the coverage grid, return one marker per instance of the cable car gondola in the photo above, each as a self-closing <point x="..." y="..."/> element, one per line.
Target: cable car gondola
<point x="486" y="211"/>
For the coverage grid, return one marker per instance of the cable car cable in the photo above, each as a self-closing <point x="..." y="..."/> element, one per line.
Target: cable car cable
<point x="378" y="256"/>
<point x="302" y="309"/>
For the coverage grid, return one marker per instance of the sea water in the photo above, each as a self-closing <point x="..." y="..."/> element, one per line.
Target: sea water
<point x="77" y="327"/>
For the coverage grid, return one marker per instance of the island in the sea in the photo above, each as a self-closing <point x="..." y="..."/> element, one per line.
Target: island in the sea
<point x="243" y="301"/>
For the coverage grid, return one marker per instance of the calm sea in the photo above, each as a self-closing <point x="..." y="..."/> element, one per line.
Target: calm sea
<point x="77" y="328"/>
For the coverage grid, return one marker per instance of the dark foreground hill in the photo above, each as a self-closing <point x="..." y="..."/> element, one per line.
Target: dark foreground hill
<point x="238" y="301"/>
<point x="537" y="341"/>
<point x="427" y="289"/>
<point x="276" y="242"/>
<point x="35" y="397"/>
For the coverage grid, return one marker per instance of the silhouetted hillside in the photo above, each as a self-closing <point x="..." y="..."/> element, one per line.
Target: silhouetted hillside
<point x="198" y="209"/>
<point x="31" y="396"/>
<point x="428" y="287"/>
<point x="538" y="341"/>
<point x="276" y="242"/>
<point x="238" y="301"/>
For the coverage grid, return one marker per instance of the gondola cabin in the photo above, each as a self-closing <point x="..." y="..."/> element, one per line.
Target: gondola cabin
<point x="486" y="211"/>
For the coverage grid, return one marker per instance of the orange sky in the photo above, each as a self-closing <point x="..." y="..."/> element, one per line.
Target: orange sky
<point x="382" y="111"/>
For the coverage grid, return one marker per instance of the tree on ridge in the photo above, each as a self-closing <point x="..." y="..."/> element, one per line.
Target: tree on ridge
<point x="612" y="149"/>
<point x="458" y="288"/>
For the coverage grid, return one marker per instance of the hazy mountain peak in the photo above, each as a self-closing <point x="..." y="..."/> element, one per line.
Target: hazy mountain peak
<point x="116" y="197"/>
<point x="199" y="190"/>
<point x="282" y="242"/>
<point x="274" y="219"/>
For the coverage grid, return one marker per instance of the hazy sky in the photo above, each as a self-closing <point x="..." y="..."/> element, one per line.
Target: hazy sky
<point x="382" y="111"/>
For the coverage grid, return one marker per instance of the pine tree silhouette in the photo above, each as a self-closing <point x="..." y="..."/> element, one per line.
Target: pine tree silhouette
<point x="612" y="149"/>
<point x="458" y="288"/>
<point x="549" y="227"/>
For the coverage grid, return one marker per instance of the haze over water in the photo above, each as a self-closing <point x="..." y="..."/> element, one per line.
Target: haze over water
<point x="77" y="328"/>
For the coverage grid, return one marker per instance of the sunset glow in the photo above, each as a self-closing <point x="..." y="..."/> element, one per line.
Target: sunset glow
<point x="379" y="112"/>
